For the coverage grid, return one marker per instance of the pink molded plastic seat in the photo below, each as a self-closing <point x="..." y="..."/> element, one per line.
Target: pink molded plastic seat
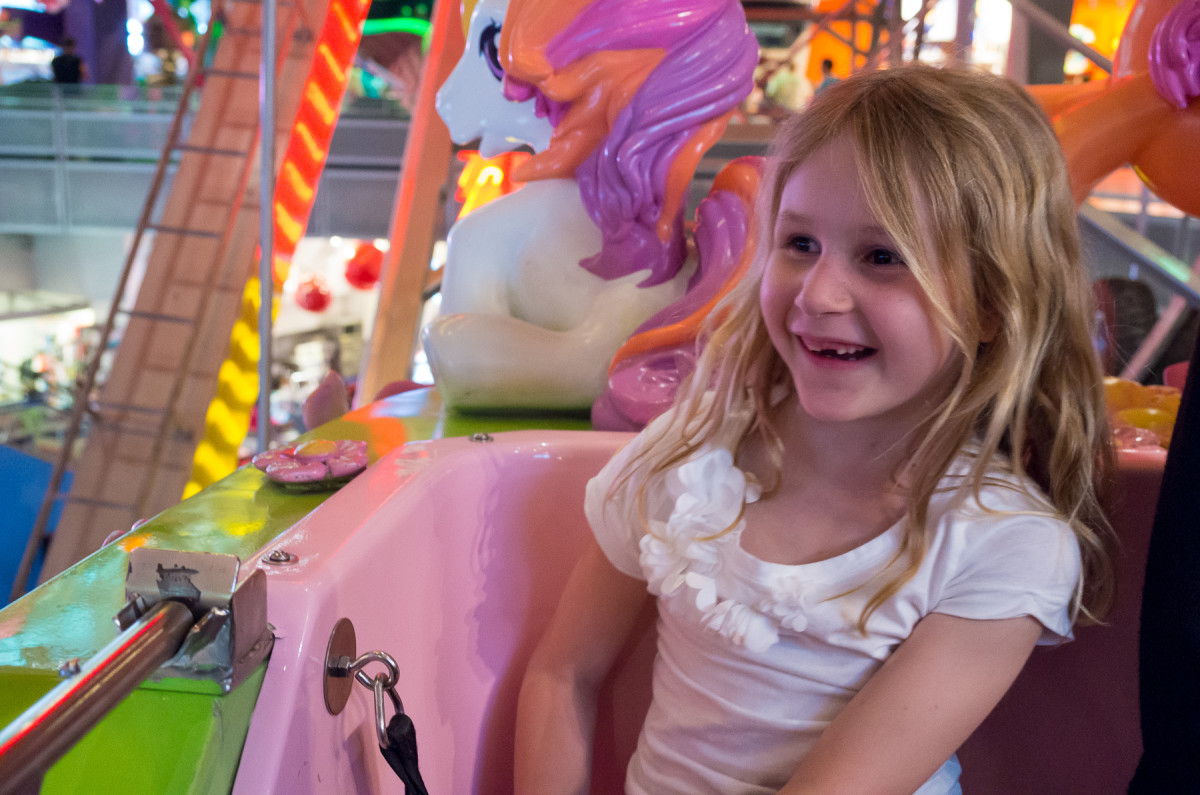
<point x="1070" y="723"/>
<point x="1176" y="375"/>
<point x="451" y="555"/>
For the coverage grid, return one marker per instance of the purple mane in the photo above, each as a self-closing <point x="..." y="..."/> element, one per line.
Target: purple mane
<point x="707" y="71"/>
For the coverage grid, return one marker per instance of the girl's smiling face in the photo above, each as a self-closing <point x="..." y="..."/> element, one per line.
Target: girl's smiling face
<point x="858" y="333"/>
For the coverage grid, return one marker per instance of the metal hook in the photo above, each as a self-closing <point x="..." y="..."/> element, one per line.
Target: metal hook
<point x="364" y="659"/>
<point x="380" y="718"/>
<point x="341" y="665"/>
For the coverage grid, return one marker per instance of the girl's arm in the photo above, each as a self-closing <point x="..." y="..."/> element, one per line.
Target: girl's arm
<point x="919" y="707"/>
<point x="556" y="712"/>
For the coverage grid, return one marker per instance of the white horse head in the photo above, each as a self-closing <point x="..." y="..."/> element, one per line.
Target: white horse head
<point x="471" y="102"/>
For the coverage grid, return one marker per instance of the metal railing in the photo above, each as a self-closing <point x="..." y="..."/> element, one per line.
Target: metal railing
<point x="1056" y="30"/>
<point x="63" y="159"/>
<point x="1163" y="268"/>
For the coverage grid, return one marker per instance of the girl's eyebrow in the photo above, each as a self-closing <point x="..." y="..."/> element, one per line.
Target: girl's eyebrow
<point x="869" y="231"/>
<point x="793" y="217"/>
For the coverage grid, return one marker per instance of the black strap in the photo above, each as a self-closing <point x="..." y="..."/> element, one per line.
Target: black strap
<point x="401" y="753"/>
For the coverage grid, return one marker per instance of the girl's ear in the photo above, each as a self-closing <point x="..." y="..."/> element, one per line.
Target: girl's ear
<point x="989" y="326"/>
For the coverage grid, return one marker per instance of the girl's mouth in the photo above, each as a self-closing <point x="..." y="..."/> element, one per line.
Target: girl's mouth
<point x="843" y="352"/>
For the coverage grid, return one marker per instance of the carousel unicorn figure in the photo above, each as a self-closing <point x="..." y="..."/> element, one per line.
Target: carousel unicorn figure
<point x="542" y="286"/>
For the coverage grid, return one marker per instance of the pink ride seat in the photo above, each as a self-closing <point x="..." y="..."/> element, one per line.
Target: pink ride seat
<point x="1176" y="374"/>
<point x="452" y="555"/>
<point x="1070" y="723"/>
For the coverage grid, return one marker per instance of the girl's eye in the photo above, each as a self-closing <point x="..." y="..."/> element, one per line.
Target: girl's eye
<point x="881" y="256"/>
<point x="489" y="50"/>
<point x="803" y="243"/>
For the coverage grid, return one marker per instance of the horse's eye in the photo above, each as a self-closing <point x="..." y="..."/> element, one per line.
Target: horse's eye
<point x="489" y="42"/>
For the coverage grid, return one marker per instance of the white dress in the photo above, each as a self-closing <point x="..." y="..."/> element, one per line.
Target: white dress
<point x="756" y="658"/>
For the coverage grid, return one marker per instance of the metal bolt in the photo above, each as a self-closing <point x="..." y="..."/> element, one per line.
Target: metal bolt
<point x="481" y="437"/>
<point x="69" y="668"/>
<point x="280" y="557"/>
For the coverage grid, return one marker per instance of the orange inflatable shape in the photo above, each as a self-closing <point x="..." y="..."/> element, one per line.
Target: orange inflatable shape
<point x="1145" y="115"/>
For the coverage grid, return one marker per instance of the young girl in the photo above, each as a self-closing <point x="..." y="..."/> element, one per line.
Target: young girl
<point x="878" y="491"/>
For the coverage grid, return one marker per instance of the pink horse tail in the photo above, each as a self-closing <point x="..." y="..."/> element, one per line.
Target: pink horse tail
<point x="647" y="370"/>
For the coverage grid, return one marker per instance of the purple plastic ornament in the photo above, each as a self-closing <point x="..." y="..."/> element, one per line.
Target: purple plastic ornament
<point x="1175" y="54"/>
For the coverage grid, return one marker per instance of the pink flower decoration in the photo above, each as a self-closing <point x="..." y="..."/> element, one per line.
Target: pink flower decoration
<point x="320" y="461"/>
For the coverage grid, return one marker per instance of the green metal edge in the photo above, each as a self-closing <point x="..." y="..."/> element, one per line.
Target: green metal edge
<point x="71" y="615"/>
<point x="154" y="741"/>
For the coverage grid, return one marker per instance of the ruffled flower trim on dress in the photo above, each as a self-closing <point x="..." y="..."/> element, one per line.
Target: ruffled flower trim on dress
<point x="688" y="550"/>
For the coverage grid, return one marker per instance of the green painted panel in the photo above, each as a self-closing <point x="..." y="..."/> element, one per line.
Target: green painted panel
<point x="71" y="614"/>
<point x="192" y="744"/>
<point x="153" y="742"/>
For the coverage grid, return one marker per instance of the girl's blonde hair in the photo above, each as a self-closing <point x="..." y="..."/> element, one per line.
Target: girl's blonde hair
<point x="964" y="172"/>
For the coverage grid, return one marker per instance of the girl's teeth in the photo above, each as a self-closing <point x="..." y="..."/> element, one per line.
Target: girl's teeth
<point x="840" y="351"/>
<point x="847" y="353"/>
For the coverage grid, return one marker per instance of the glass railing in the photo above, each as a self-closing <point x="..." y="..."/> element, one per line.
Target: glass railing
<point x="51" y="96"/>
<point x="66" y="152"/>
<point x="44" y="96"/>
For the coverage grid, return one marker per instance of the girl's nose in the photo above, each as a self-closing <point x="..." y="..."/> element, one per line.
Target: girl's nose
<point x="826" y="288"/>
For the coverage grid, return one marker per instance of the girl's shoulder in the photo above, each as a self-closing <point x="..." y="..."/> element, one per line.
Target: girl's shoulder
<point x="999" y="492"/>
<point x="663" y="437"/>
<point x="629" y="495"/>
<point x="1006" y="517"/>
<point x="1000" y="551"/>
<point x="1000" y="516"/>
<point x="1006" y="529"/>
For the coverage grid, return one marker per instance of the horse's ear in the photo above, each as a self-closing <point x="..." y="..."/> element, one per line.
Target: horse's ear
<point x="467" y="9"/>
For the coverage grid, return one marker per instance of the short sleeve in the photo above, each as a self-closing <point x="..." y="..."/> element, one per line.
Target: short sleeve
<point x="606" y="514"/>
<point x="615" y="523"/>
<point x="1014" y="565"/>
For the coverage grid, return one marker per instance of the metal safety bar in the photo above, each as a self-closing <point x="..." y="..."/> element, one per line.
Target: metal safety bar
<point x="48" y="729"/>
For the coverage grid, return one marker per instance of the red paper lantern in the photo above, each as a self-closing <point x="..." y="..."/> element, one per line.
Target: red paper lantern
<point x="313" y="294"/>
<point x="362" y="270"/>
